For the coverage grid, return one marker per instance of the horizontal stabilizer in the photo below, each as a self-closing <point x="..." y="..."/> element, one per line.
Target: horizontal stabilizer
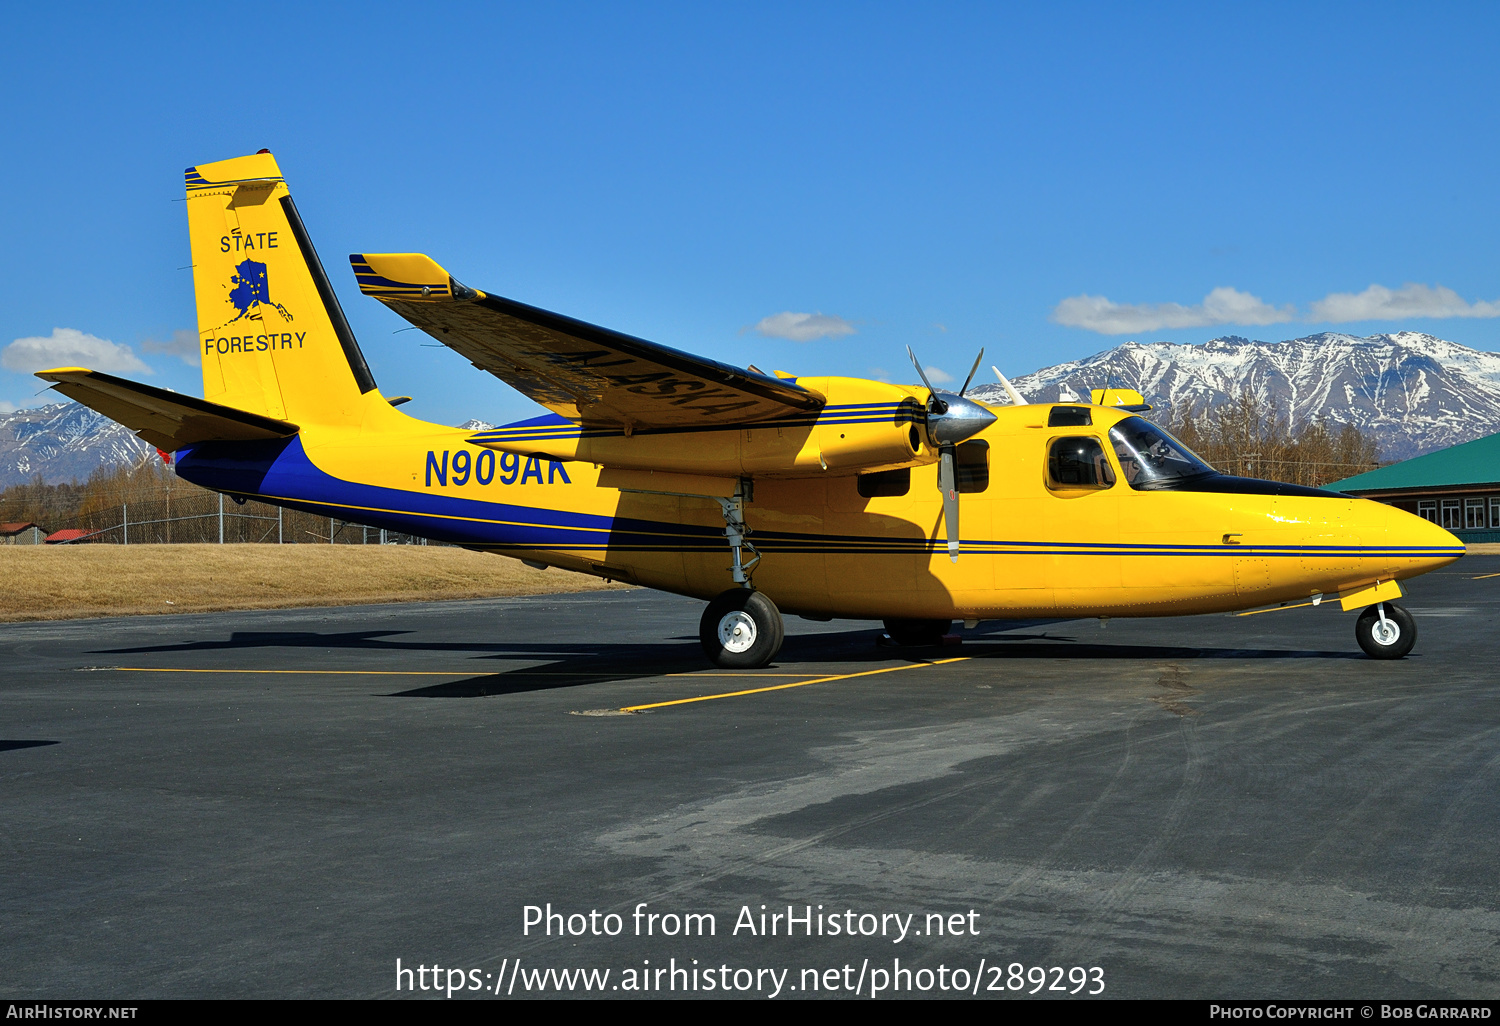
<point x="166" y="419"/>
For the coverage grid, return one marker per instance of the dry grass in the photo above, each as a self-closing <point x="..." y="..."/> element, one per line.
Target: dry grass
<point x="63" y="582"/>
<point x="1483" y="548"/>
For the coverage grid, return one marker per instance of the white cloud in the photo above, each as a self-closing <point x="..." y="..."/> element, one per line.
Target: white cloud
<point x="1221" y="306"/>
<point x="183" y="345"/>
<point x="938" y="376"/>
<point x="803" y="327"/>
<point x="7" y="407"/>
<point x="1378" y="303"/>
<point x="69" y="347"/>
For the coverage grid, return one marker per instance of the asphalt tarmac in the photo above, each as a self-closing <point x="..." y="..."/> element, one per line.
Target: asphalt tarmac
<point x="285" y="803"/>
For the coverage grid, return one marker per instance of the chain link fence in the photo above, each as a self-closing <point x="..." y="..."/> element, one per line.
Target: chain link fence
<point x="208" y="517"/>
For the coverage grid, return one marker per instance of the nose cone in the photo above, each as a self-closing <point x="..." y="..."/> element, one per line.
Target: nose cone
<point x="1420" y="545"/>
<point x="963" y="419"/>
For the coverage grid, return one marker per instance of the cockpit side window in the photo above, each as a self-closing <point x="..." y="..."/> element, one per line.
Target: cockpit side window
<point x="1150" y="458"/>
<point x="1078" y="461"/>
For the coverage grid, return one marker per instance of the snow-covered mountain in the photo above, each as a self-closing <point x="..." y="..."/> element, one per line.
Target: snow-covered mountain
<point x="68" y="441"/>
<point x="62" y="442"/>
<point x="1413" y="392"/>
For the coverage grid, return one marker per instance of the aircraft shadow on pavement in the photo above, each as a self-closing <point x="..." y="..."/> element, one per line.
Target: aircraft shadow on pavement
<point x="562" y="665"/>
<point x="619" y="663"/>
<point x="1045" y="647"/>
<point x="854" y="647"/>
<point x="8" y="746"/>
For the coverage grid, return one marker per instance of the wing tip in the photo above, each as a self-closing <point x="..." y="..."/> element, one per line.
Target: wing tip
<point x="407" y="276"/>
<point x="62" y="373"/>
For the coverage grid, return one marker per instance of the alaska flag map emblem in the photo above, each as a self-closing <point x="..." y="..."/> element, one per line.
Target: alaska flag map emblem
<point x="252" y="289"/>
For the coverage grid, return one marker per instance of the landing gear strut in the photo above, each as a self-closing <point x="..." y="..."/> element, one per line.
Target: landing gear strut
<point x="741" y="630"/>
<point x="1385" y="631"/>
<point x="739" y="534"/>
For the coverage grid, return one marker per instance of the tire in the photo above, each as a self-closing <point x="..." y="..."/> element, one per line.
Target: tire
<point x="917" y="632"/>
<point x="741" y="630"/>
<point x="1391" y="642"/>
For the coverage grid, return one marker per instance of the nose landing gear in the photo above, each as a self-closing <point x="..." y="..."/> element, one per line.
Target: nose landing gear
<point x="1385" y="631"/>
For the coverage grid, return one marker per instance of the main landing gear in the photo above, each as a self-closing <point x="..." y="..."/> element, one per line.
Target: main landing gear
<point x="1385" y="631"/>
<point x="741" y="629"/>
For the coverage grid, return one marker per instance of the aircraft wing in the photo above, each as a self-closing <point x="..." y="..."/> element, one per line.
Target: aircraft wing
<point x="166" y="419"/>
<point x="584" y="372"/>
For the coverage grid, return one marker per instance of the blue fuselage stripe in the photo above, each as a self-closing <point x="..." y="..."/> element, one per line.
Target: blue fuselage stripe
<point x="281" y="472"/>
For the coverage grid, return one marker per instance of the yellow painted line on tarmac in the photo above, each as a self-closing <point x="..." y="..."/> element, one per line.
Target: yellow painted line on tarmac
<point x="796" y="684"/>
<point x="355" y="673"/>
<point x="422" y="673"/>
<point x="1483" y="576"/>
<point x="1275" y="609"/>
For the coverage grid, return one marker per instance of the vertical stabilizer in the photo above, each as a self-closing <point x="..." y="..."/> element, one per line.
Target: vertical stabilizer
<point x="273" y="338"/>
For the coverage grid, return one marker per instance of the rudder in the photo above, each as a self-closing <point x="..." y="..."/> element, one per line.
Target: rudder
<point x="273" y="338"/>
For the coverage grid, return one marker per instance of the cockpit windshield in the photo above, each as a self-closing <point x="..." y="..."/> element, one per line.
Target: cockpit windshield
<point x="1151" y="458"/>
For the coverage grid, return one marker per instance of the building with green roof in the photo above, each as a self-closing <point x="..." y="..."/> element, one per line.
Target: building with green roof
<point x="1457" y="488"/>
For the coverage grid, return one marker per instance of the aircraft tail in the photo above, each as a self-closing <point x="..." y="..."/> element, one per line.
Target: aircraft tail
<point x="272" y="335"/>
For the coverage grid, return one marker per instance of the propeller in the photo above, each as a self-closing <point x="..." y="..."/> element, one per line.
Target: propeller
<point x="1015" y="397"/>
<point x="951" y="419"/>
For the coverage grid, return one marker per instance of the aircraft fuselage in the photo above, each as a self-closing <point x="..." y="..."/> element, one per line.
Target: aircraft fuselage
<point x="1029" y="546"/>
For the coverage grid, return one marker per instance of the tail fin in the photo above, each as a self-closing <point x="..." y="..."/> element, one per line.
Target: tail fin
<point x="274" y="339"/>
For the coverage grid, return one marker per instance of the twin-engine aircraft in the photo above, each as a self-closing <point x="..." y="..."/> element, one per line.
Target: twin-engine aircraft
<point x="759" y="493"/>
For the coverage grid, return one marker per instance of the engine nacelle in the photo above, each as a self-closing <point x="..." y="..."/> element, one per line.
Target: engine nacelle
<point x="865" y="426"/>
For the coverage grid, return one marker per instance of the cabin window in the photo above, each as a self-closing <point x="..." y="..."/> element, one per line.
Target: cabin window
<point x="1452" y="513"/>
<point x="1070" y="416"/>
<point x="885" y="484"/>
<point x="971" y="466"/>
<point x="1151" y="458"/>
<point x="1473" y="514"/>
<point x="1427" y="509"/>
<point x="1078" y="462"/>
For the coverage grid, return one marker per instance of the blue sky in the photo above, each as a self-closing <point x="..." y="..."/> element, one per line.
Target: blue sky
<point x="1044" y="180"/>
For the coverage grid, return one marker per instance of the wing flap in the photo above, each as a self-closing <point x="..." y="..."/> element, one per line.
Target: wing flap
<point x="581" y="371"/>
<point x="166" y="419"/>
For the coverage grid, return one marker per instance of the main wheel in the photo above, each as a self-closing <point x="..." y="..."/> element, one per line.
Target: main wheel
<point x="741" y="630"/>
<point x="917" y="632"/>
<point x="1389" y="640"/>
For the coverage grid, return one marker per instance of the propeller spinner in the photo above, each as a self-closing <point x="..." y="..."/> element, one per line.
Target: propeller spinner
<point x="951" y="419"/>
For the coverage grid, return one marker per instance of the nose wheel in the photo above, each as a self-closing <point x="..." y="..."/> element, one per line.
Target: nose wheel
<point x="1385" y="631"/>
<point x="741" y="630"/>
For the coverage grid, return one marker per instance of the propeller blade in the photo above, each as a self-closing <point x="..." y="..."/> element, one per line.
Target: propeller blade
<point x="972" y="369"/>
<point x="933" y="402"/>
<point x="915" y="363"/>
<point x="948" y="483"/>
<point x="1010" y="390"/>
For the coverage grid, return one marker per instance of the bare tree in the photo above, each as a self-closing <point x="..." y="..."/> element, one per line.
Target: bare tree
<point x="1252" y="438"/>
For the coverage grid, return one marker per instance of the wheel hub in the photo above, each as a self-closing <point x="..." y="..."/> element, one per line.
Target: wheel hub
<point x="1385" y="632"/>
<point x="737" y="632"/>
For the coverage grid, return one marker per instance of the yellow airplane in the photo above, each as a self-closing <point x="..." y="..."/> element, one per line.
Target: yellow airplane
<point x="824" y="497"/>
